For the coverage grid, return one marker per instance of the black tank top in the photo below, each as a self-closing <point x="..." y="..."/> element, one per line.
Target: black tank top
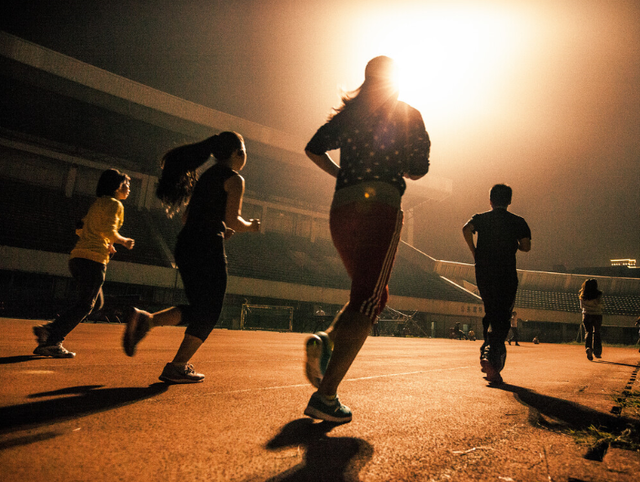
<point x="208" y="204"/>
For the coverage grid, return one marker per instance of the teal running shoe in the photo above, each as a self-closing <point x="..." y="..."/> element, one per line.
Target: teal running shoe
<point x="318" y="348"/>
<point x="329" y="411"/>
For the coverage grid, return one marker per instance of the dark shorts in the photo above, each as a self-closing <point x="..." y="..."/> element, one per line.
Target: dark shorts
<point x="366" y="236"/>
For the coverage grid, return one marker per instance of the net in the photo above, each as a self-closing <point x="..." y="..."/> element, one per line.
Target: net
<point x="267" y="317"/>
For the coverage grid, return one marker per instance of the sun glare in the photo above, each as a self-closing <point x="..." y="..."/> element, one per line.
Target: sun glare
<point x="452" y="61"/>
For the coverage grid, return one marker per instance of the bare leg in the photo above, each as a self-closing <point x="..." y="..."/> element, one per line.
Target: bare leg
<point x="188" y="348"/>
<point x="348" y="332"/>
<point x="331" y="332"/>
<point x="190" y="344"/>
<point x="140" y="322"/>
<point x="169" y="317"/>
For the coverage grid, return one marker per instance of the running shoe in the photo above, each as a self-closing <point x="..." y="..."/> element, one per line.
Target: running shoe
<point x="138" y="325"/>
<point x="328" y="410"/>
<point x="186" y="374"/>
<point x="54" y="351"/>
<point x="493" y="375"/>
<point x="590" y="354"/>
<point x="318" y="348"/>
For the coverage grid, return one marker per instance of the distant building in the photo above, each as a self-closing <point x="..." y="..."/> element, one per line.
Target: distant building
<point x="620" y="271"/>
<point x="631" y="263"/>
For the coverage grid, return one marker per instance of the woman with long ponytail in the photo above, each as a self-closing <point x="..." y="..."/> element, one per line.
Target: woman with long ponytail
<point x="213" y="207"/>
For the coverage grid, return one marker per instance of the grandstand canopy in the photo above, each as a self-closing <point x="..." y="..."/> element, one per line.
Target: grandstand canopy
<point x="52" y="99"/>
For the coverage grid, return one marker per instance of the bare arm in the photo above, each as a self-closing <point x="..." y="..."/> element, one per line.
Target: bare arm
<point x="114" y="236"/>
<point x="233" y="218"/>
<point x="467" y="232"/>
<point x="126" y="242"/>
<point x="524" y="244"/>
<point x="324" y="162"/>
<point x="185" y="215"/>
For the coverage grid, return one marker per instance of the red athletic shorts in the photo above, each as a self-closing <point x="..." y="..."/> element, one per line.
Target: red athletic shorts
<point x="366" y="236"/>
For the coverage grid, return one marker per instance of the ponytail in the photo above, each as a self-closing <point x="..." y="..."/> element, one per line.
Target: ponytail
<point x="179" y="167"/>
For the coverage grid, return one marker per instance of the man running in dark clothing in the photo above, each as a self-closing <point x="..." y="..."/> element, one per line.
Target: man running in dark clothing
<point x="500" y="235"/>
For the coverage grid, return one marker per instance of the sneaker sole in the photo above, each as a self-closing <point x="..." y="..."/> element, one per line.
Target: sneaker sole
<point x="133" y="321"/>
<point x="37" y="352"/>
<point x="312" y="367"/>
<point x="319" y="415"/>
<point x="180" y="381"/>
<point x="499" y="381"/>
<point x="493" y="376"/>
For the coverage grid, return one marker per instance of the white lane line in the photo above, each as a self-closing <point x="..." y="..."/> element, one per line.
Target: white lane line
<point x="406" y="373"/>
<point x="284" y="387"/>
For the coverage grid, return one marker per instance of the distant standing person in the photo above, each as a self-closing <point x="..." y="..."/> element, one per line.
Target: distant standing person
<point x="376" y="327"/>
<point x="500" y="235"/>
<point x="98" y="232"/>
<point x="213" y="213"/>
<point x="592" y="306"/>
<point x="514" y="329"/>
<point x="381" y="142"/>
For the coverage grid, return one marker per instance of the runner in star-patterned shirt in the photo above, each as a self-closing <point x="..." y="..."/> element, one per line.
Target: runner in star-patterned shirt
<point x="391" y="142"/>
<point x="381" y="141"/>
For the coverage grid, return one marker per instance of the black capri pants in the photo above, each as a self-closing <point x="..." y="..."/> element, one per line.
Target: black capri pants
<point x="203" y="269"/>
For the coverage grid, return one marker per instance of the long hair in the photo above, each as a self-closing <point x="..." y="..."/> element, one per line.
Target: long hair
<point x="379" y="87"/>
<point x="109" y="182"/>
<point x="589" y="290"/>
<point x="179" y="167"/>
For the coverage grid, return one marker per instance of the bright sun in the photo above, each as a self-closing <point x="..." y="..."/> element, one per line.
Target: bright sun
<point x="452" y="61"/>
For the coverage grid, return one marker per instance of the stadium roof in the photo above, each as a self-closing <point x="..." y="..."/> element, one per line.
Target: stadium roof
<point x="52" y="98"/>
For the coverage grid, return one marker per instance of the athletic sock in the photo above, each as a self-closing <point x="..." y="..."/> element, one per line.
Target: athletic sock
<point x="328" y="399"/>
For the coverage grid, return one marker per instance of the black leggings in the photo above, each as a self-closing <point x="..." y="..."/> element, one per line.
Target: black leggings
<point x="203" y="270"/>
<point x="89" y="276"/>
<point x="592" y="337"/>
<point x="498" y="290"/>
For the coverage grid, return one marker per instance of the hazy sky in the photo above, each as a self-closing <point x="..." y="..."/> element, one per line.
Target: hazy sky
<point x="541" y="94"/>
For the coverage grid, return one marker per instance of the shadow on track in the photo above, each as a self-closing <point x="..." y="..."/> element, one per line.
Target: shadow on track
<point x="604" y="362"/>
<point x="6" y="360"/>
<point x="28" y="439"/>
<point x="569" y="415"/>
<point x="327" y="458"/>
<point x="84" y="400"/>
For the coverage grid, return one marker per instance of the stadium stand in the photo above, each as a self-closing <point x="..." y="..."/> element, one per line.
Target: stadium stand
<point x="563" y="301"/>
<point x="111" y="121"/>
<point x="45" y="220"/>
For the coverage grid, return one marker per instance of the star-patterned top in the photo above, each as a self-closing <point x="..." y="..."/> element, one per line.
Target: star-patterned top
<point x="381" y="146"/>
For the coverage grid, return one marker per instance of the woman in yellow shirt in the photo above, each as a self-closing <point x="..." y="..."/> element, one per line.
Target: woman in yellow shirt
<point x="88" y="261"/>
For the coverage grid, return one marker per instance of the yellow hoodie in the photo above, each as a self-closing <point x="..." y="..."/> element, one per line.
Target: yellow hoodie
<point x="101" y="224"/>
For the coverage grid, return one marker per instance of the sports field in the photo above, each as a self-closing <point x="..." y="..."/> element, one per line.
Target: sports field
<point x="422" y="411"/>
